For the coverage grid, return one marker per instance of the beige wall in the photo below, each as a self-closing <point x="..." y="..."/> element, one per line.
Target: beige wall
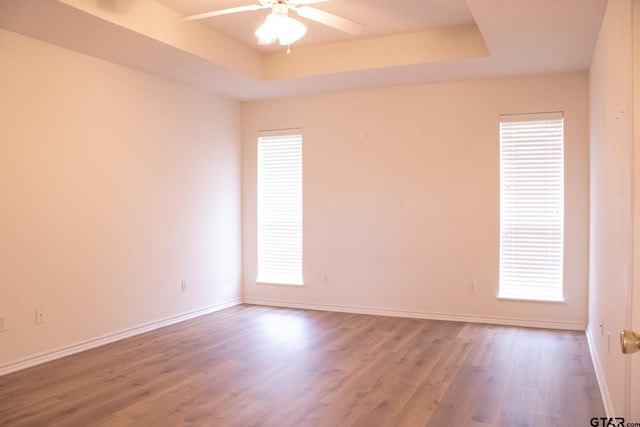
<point x="114" y="186"/>
<point x="401" y="198"/>
<point x="611" y="203"/>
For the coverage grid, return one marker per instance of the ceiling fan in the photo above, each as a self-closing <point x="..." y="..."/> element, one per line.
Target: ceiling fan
<point x="280" y="26"/>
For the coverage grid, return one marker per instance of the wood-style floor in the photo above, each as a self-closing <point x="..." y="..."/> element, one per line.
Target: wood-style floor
<point x="260" y="366"/>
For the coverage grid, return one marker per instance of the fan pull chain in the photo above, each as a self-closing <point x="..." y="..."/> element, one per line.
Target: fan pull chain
<point x="288" y="48"/>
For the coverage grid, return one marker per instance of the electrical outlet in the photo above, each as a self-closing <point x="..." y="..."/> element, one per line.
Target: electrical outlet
<point x="3" y="322"/>
<point x="40" y="318"/>
<point x="472" y="286"/>
<point x="183" y="285"/>
<point x="325" y="279"/>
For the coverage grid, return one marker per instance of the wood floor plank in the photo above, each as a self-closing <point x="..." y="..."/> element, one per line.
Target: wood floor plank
<point x="262" y="366"/>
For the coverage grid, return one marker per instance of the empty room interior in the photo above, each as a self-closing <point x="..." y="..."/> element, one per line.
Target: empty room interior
<point x="205" y="224"/>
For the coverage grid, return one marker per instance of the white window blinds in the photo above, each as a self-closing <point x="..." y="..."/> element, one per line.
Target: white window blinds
<point x="531" y="206"/>
<point x="280" y="207"/>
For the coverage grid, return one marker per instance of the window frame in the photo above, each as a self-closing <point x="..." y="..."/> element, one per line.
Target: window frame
<point x="531" y="210"/>
<point x="279" y="218"/>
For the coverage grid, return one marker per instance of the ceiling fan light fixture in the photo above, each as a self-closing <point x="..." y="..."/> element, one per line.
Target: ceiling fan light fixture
<point x="291" y="31"/>
<point x="280" y="26"/>
<point x="268" y="32"/>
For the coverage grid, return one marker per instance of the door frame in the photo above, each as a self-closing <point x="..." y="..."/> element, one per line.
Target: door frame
<point x="632" y="364"/>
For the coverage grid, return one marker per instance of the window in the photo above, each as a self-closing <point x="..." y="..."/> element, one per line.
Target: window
<point x="280" y="207"/>
<point x="531" y="206"/>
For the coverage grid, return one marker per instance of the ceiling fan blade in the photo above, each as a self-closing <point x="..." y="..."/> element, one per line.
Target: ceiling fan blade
<point x="329" y="19"/>
<point x="224" y="12"/>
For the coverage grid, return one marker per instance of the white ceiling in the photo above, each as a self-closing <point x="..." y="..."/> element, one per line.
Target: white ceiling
<point x="404" y="42"/>
<point x="380" y="17"/>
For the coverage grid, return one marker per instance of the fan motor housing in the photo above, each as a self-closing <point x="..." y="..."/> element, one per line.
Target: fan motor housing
<point x="280" y="9"/>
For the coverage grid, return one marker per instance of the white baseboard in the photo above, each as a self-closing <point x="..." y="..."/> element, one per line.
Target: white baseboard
<point x="109" y="338"/>
<point x="494" y="320"/>
<point x="597" y="366"/>
<point x="106" y="339"/>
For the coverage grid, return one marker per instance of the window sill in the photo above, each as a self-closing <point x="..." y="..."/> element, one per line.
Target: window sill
<point x="551" y="301"/>
<point x="279" y="283"/>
